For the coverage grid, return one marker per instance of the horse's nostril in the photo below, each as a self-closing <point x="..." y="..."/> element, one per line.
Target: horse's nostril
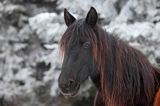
<point x="71" y="82"/>
<point x="67" y="85"/>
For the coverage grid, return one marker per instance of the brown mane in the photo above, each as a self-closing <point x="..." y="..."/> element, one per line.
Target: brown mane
<point x="125" y="73"/>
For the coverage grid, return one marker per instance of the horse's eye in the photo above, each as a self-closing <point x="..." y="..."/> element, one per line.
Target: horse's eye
<point x="86" y="45"/>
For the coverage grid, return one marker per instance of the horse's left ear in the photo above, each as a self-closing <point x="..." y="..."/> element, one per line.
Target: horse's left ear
<point x="92" y="17"/>
<point x="69" y="19"/>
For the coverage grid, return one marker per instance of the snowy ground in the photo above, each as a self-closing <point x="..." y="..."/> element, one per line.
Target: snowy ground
<point x="29" y="34"/>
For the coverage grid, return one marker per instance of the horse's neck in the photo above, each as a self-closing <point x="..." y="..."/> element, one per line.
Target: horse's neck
<point x="157" y="97"/>
<point x="157" y="75"/>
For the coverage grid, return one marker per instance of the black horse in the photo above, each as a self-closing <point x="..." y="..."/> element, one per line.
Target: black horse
<point x="122" y="74"/>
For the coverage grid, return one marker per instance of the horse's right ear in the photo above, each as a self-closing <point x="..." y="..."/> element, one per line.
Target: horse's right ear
<point x="69" y="19"/>
<point x="92" y="17"/>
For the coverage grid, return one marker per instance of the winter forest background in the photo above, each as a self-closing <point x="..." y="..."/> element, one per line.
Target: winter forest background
<point x="29" y="55"/>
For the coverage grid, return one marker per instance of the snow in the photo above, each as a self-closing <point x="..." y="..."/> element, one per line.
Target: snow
<point x="105" y="8"/>
<point x="48" y="26"/>
<point x="128" y="31"/>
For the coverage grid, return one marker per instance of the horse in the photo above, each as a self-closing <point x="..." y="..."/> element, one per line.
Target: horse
<point x="122" y="74"/>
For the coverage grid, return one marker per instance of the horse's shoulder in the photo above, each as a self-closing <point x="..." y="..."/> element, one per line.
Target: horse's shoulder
<point x="157" y="99"/>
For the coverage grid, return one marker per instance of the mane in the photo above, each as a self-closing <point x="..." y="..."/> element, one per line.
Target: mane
<point x="125" y="73"/>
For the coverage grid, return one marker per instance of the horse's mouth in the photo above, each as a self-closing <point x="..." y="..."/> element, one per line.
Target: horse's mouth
<point x="71" y="92"/>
